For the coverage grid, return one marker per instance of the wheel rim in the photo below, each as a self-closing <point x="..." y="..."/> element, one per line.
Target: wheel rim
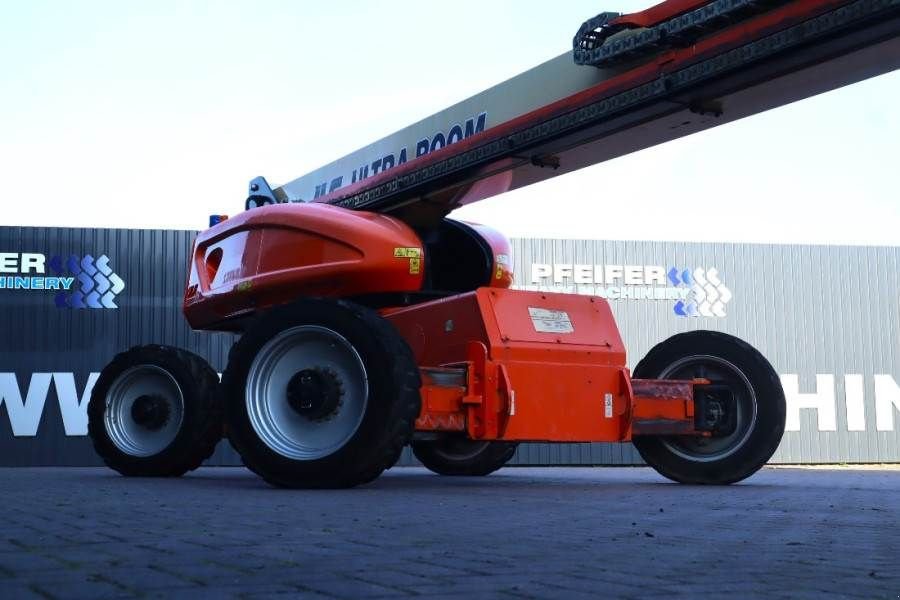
<point x="271" y="393"/>
<point x="459" y="449"/>
<point x="144" y="410"/>
<point x="718" y="371"/>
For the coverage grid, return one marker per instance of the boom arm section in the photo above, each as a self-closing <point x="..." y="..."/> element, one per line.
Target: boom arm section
<point x="640" y="80"/>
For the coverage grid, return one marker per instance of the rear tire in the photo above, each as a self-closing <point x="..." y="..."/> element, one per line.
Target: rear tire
<point x="320" y="394"/>
<point x="461" y="456"/>
<point x="759" y="409"/>
<point x="153" y="412"/>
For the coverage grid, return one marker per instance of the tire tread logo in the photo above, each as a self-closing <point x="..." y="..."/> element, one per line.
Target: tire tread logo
<point x="708" y="297"/>
<point x="97" y="284"/>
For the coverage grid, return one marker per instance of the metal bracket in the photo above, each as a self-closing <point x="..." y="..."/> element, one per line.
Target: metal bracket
<point x="260" y="194"/>
<point x="545" y="160"/>
<point x="707" y="107"/>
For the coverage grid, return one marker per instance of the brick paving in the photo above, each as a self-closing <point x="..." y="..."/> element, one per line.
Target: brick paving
<point x="520" y="533"/>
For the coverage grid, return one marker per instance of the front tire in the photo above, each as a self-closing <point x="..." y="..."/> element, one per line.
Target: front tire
<point x="462" y="456"/>
<point x="320" y="394"/>
<point x="756" y="418"/>
<point x="153" y="412"/>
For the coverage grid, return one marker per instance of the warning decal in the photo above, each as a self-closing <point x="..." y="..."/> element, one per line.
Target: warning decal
<point x="407" y="252"/>
<point x="415" y="258"/>
<point x="608" y="405"/>
<point x="550" y="321"/>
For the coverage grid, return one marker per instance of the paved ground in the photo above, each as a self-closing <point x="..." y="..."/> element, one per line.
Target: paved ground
<point x="521" y="533"/>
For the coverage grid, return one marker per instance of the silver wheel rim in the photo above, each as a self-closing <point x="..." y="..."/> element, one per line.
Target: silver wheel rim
<point x="275" y="422"/>
<point x="717" y="370"/>
<point x="126" y="433"/>
<point x="460" y="449"/>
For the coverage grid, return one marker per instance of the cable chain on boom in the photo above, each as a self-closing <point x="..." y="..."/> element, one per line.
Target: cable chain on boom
<point x="380" y="196"/>
<point x="596" y="43"/>
<point x="593" y="33"/>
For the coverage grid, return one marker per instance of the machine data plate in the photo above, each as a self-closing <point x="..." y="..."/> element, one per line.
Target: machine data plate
<point x="550" y="321"/>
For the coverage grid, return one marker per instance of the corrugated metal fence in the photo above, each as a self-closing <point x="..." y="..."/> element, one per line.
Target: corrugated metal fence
<point x="38" y="337"/>
<point x="812" y="310"/>
<point x="831" y="311"/>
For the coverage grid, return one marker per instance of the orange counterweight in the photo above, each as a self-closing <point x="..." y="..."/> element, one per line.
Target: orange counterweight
<point x="513" y="365"/>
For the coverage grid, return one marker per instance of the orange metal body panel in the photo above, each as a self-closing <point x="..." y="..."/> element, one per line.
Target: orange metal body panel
<point x="662" y="406"/>
<point x="438" y="332"/>
<point x="442" y="405"/>
<point x="497" y="364"/>
<point x="658" y="13"/>
<point x="540" y="366"/>
<point x="274" y="254"/>
<point x="537" y="367"/>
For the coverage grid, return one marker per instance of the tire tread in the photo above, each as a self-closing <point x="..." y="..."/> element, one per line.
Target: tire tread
<point x="404" y="409"/>
<point x="201" y="441"/>
<point x="770" y="397"/>
<point x="493" y="457"/>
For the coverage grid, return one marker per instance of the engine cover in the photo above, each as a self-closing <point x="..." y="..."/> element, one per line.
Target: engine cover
<point x="274" y="254"/>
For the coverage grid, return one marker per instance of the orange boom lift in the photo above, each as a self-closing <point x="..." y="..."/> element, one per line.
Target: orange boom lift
<point x="368" y="320"/>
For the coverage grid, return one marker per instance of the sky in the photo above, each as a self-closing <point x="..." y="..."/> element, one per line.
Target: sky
<point x="157" y="114"/>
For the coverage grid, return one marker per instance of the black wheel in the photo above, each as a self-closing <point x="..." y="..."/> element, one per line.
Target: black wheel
<point x="747" y="420"/>
<point x="320" y="394"/>
<point x="154" y="412"/>
<point x="462" y="456"/>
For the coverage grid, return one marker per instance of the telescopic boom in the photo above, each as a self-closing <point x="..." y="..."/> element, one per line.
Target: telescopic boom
<point x="631" y="82"/>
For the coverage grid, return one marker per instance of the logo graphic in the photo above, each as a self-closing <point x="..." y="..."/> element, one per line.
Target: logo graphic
<point x="693" y="291"/>
<point x="708" y="296"/>
<point x="96" y="284"/>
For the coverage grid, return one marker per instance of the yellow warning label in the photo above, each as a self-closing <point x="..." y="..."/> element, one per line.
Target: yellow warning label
<point x="414" y="265"/>
<point x="499" y="274"/>
<point x="407" y="252"/>
<point x="243" y="286"/>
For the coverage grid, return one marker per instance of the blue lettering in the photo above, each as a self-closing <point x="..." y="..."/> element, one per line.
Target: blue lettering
<point x="438" y="141"/>
<point x="455" y="134"/>
<point x="321" y="190"/>
<point x="360" y="173"/>
<point x="473" y="126"/>
<point x="35" y="283"/>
